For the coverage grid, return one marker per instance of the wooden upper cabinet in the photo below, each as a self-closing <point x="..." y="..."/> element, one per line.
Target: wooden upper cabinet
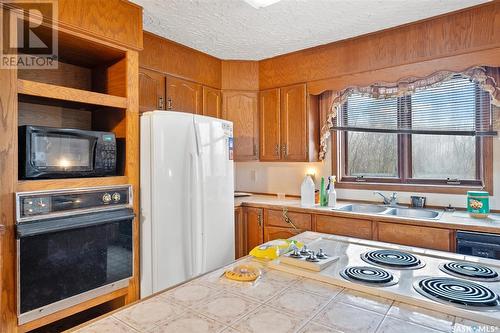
<point x="294" y="126"/>
<point x="241" y="108"/>
<point x="254" y="221"/>
<point x="269" y="125"/>
<point x="212" y="102"/>
<point x="151" y="90"/>
<point x="289" y="125"/>
<point x="184" y="96"/>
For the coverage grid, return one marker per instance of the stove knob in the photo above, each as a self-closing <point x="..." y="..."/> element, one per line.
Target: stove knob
<point x="304" y="251"/>
<point x="116" y="197"/>
<point x="106" y="198"/>
<point x="321" y="254"/>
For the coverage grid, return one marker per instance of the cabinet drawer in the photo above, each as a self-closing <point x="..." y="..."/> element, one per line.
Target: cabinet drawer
<point x="429" y="238"/>
<point x="271" y="233"/>
<point x="344" y="226"/>
<point x="276" y="218"/>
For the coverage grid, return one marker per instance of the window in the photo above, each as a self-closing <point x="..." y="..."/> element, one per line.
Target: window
<point x="432" y="137"/>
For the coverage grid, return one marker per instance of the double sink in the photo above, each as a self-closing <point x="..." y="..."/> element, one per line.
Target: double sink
<point x="392" y="211"/>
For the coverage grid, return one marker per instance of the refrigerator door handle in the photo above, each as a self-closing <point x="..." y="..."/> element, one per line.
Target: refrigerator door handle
<point x="202" y="255"/>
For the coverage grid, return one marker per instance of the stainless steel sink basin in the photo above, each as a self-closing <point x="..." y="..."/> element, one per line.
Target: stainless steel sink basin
<point x="414" y="213"/>
<point x="360" y="208"/>
<point x="392" y="211"/>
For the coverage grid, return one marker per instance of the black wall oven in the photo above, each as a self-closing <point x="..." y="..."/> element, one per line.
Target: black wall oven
<point x="72" y="245"/>
<point x="47" y="152"/>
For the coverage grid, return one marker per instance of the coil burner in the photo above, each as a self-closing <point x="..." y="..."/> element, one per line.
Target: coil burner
<point x="471" y="271"/>
<point x="392" y="259"/>
<point x="464" y="294"/>
<point x="372" y="276"/>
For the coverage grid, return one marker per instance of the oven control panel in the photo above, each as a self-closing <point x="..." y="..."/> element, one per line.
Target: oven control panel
<point x="40" y="204"/>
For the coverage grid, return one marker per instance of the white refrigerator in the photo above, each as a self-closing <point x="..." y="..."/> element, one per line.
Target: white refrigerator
<point x="187" y="197"/>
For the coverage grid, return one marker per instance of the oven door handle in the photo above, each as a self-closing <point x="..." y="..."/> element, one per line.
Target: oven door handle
<point x="57" y="224"/>
<point x="478" y="245"/>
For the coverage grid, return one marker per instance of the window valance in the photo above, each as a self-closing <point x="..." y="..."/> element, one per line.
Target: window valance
<point x="487" y="78"/>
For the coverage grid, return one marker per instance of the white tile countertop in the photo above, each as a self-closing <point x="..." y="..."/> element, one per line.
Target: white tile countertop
<point x="459" y="220"/>
<point x="277" y="302"/>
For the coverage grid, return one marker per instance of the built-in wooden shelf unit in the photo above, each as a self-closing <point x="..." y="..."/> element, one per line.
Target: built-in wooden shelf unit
<point x="94" y="87"/>
<point x="33" y="88"/>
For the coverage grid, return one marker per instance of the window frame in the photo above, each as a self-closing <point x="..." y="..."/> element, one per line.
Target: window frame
<point x="404" y="180"/>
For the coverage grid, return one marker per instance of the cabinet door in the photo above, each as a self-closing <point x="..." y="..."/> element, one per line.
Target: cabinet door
<point x="269" y="125"/>
<point x="212" y="102"/>
<point x="344" y="226"/>
<point x="255" y="229"/>
<point x="241" y="108"/>
<point x="151" y="90"/>
<point x="294" y="123"/>
<point x="429" y="238"/>
<point x="184" y="96"/>
<point x="271" y="233"/>
<point x="240" y="240"/>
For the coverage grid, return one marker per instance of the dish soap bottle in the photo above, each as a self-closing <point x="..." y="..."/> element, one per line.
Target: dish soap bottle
<point x="332" y="194"/>
<point x="307" y="192"/>
<point x="323" y="199"/>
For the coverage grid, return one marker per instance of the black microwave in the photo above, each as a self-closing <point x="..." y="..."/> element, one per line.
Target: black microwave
<point x="46" y="152"/>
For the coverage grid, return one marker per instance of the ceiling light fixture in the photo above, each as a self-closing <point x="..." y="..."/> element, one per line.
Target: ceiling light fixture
<point x="261" y="3"/>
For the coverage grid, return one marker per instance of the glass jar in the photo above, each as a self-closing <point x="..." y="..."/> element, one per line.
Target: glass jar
<point x="478" y="204"/>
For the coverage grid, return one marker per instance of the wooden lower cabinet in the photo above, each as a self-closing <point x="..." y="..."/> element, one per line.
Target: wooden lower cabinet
<point x="240" y="240"/>
<point x="412" y="235"/>
<point x="271" y="233"/>
<point x="254" y="221"/>
<point x="286" y="219"/>
<point x="342" y="226"/>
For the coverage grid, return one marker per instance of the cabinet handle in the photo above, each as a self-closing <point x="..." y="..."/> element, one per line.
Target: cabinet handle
<point x="259" y="219"/>
<point x="287" y="219"/>
<point x="277" y="150"/>
<point x="160" y="103"/>
<point x="170" y="104"/>
<point x="255" y="149"/>
<point x="283" y="150"/>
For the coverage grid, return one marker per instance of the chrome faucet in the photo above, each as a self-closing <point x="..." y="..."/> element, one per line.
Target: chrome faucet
<point x="391" y="201"/>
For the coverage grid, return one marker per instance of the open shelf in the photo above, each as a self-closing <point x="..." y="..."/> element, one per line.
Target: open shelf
<point x="46" y="90"/>
<point x="55" y="184"/>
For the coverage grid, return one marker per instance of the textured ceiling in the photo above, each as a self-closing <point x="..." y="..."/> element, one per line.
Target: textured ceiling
<point x="232" y="29"/>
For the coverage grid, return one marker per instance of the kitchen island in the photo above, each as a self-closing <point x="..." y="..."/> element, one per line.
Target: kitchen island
<point x="277" y="302"/>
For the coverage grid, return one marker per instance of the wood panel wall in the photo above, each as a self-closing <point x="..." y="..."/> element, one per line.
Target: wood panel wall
<point x="463" y="32"/>
<point x="118" y="21"/>
<point x="240" y="75"/>
<point x="165" y="56"/>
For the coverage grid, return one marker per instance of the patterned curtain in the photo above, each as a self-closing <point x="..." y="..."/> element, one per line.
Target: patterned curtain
<point x="488" y="79"/>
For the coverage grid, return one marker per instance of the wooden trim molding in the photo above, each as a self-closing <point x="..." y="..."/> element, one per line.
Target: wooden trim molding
<point x="471" y="30"/>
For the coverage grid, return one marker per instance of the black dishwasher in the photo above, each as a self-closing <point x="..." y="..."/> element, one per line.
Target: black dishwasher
<point x="478" y="244"/>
